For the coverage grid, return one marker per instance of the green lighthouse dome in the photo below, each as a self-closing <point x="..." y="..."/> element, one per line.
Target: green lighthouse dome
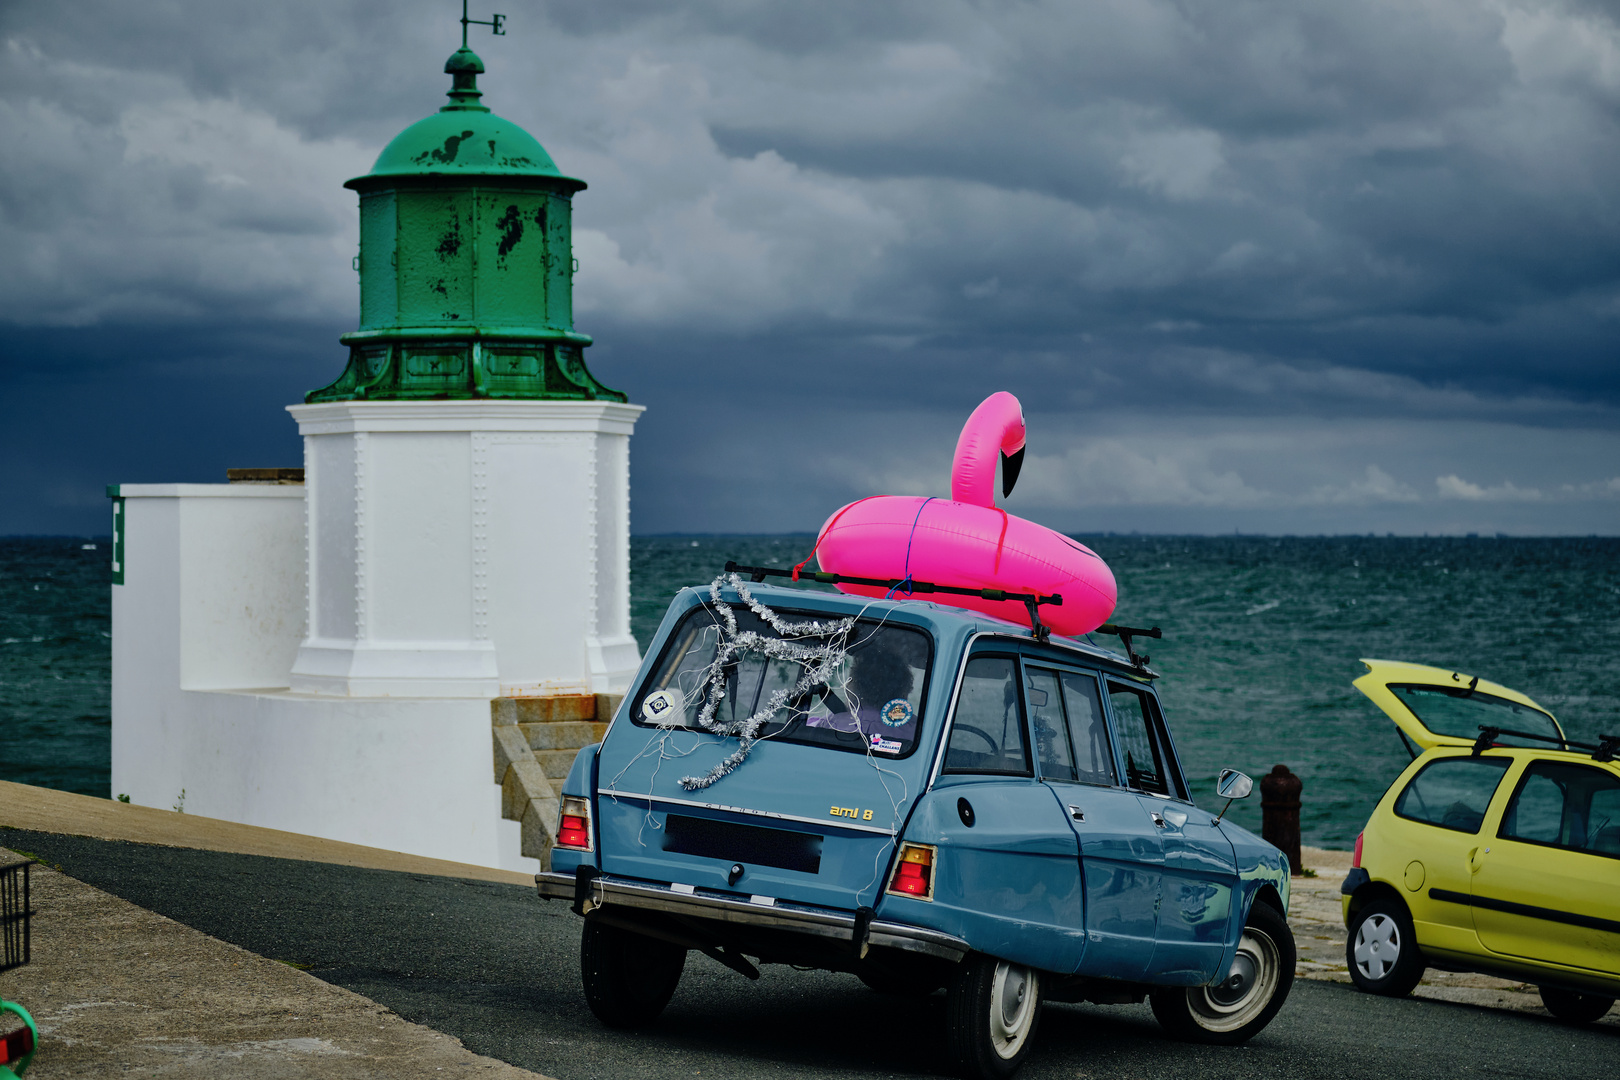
<point x="463" y="143"/>
<point x="463" y="138"/>
<point x="466" y="264"/>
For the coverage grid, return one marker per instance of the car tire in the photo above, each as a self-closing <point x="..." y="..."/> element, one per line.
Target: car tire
<point x="992" y="1008"/>
<point x="1574" y="1008"/>
<point x="1234" y="1010"/>
<point x="628" y="978"/>
<point x="1382" y="951"/>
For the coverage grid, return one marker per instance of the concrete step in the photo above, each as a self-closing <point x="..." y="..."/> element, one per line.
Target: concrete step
<point x="556" y="763"/>
<point x="563" y="735"/>
<point x="551" y="708"/>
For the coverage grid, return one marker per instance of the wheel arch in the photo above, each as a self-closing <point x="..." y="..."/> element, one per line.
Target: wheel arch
<point x="1374" y="890"/>
<point x="1268" y="895"/>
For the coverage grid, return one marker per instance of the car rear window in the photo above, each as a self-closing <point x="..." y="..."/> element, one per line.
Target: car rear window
<point x="871" y="701"/>
<point x="1457" y="712"/>
<point x="1452" y="793"/>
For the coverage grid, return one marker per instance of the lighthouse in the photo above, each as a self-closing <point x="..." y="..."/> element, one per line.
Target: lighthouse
<point x="326" y="656"/>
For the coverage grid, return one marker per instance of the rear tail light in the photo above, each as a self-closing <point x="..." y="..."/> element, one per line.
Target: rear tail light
<point x="1355" y="859"/>
<point x="16" y="1045"/>
<point x="574" y="831"/>
<point x="914" y="872"/>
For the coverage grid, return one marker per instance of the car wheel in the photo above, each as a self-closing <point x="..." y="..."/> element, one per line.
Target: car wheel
<point x="991" y="1011"/>
<point x="1573" y="1008"/>
<point x="1381" y="950"/>
<point x="1234" y="1010"/>
<point x="628" y="978"/>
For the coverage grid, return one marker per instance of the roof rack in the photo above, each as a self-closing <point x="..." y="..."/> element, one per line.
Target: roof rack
<point x="1125" y="633"/>
<point x="1032" y="601"/>
<point x="1605" y="750"/>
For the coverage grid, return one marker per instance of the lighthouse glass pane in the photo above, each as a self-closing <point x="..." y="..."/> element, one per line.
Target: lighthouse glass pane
<point x="867" y="700"/>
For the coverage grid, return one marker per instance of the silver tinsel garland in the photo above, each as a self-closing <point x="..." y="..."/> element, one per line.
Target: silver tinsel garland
<point x="817" y="647"/>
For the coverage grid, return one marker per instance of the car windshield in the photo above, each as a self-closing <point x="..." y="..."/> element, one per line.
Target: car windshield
<point x="871" y="700"/>
<point x="1459" y="713"/>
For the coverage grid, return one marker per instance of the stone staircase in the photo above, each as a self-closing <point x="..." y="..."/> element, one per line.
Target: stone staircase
<point x="536" y="741"/>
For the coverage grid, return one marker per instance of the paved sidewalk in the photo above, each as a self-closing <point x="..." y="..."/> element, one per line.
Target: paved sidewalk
<point x="117" y="989"/>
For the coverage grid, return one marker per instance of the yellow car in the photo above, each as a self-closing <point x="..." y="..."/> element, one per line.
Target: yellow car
<point x="1497" y="850"/>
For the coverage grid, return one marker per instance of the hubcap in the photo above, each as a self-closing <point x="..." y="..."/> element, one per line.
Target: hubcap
<point x="1012" y="1008"/>
<point x="1248" y="988"/>
<point x="1378" y="946"/>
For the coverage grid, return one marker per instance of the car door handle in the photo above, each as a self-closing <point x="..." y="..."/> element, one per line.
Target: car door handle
<point x="1076" y="813"/>
<point x="1158" y="818"/>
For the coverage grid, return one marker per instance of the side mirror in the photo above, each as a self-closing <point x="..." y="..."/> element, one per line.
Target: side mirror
<point x="1232" y="784"/>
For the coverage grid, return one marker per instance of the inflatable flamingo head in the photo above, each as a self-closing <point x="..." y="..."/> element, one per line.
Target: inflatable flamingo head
<point x="996" y="425"/>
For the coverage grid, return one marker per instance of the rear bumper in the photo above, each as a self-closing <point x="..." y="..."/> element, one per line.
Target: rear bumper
<point x="604" y="892"/>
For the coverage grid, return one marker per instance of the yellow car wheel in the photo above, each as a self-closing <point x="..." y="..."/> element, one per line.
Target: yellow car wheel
<point x="1382" y="952"/>
<point x="1573" y="1008"/>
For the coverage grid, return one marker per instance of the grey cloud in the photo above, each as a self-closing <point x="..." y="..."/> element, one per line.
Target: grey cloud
<point x="1394" y="222"/>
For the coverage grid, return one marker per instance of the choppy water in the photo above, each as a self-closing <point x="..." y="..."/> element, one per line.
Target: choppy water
<point x="1262" y="637"/>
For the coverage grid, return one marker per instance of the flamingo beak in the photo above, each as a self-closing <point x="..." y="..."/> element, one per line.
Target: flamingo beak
<point x="1010" y="464"/>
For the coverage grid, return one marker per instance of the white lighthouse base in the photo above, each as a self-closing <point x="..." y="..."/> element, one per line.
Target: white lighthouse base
<point x="405" y="775"/>
<point x="458" y="555"/>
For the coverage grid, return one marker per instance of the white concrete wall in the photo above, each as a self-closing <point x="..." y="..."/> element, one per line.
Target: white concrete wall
<point x="213" y="596"/>
<point x="320" y="659"/>
<point x="210" y="615"/>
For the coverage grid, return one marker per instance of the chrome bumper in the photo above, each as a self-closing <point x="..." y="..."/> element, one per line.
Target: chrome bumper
<point x="603" y="892"/>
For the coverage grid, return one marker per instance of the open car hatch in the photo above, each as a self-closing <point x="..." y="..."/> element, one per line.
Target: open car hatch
<point x="1435" y="707"/>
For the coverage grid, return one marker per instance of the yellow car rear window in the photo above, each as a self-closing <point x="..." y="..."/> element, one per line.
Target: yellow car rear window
<point x="1452" y="792"/>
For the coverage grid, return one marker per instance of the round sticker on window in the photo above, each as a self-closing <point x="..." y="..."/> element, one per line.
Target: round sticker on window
<point x="663" y="707"/>
<point x="896" y="713"/>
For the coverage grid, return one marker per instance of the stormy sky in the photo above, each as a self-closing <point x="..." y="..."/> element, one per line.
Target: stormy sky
<point x="1269" y="267"/>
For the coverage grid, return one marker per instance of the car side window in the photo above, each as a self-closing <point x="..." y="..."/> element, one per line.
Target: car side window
<point x="987" y="730"/>
<point x="1147" y="764"/>
<point x="1560" y="804"/>
<point x="1088" y="731"/>
<point x="1047" y="724"/>
<point x="1452" y="793"/>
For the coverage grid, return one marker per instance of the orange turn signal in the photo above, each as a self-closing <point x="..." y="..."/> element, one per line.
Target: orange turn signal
<point x="914" y="872"/>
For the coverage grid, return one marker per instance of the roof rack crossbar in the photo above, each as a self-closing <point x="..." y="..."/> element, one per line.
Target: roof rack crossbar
<point x="1605" y="749"/>
<point x="1126" y="633"/>
<point x="1032" y="601"/>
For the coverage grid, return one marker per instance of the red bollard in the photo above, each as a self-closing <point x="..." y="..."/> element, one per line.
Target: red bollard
<point x="1279" y="813"/>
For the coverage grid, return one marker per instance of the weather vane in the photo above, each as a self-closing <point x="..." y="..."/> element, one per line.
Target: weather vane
<point x="494" y="22"/>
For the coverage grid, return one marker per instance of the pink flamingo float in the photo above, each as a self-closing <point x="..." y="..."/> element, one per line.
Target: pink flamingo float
<point x="967" y="541"/>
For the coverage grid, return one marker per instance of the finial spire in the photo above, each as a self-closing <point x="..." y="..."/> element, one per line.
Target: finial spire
<point x="464" y="66"/>
<point x="496" y="23"/>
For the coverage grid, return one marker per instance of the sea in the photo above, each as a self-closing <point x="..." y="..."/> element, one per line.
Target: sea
<point x="1262" y="637"/>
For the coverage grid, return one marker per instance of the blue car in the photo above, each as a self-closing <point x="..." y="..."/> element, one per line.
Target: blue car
<point x="924" y="797"/>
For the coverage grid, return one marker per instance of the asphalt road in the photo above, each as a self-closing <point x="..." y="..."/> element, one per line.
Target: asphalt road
<point x="498" y="968"/>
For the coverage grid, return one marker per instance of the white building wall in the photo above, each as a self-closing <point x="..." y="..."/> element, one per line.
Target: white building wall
<point x="321" y="658"/>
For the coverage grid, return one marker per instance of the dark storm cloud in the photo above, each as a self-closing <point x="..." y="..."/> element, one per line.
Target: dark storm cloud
<point x="1301" y="266"/>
